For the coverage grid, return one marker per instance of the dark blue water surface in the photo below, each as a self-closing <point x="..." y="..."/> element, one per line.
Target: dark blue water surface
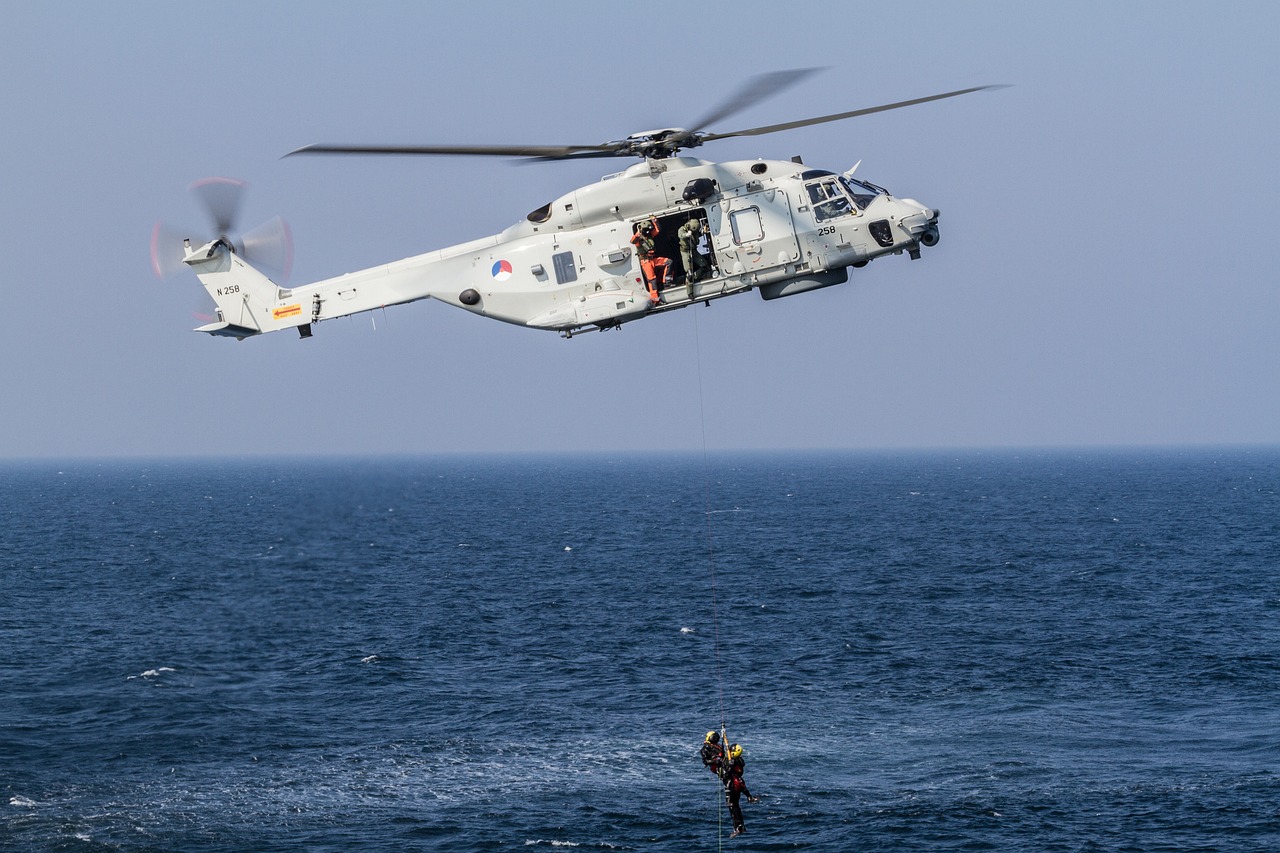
<point x="971" y="651"/>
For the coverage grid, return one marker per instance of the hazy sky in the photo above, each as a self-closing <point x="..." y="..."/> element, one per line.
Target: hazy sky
<point x="1106" y="274"/>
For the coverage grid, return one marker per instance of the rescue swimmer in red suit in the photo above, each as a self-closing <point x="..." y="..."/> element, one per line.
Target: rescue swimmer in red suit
<point x="735" y="787"/>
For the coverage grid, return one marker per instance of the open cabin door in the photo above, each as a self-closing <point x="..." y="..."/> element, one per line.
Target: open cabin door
<point x="667" y="243"/>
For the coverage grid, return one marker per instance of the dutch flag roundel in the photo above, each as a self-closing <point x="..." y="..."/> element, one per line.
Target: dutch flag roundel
<point x="501" y="270"/>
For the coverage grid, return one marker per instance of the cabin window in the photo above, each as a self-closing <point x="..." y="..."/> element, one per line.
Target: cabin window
<point x="746" y="225"/>
<point x="542" y="214"/>
<point x="566" y="271"/>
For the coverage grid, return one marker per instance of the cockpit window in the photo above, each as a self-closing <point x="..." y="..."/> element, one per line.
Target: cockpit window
<point x="828" y="199"/>
<point x="863" y="194"/>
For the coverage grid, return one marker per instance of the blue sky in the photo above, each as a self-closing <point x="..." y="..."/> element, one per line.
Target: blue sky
<point x="1105" y="274"/>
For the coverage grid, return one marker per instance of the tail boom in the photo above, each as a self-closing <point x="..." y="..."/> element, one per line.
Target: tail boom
<point x="249" y="303"/>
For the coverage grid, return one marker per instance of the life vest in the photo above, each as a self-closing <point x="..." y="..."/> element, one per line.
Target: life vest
<point x="646" y="248"/>
<point x="733" y="775"/>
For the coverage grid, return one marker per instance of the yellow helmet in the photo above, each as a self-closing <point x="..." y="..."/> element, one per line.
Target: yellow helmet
<point x="713" y="737"/>
<point x="735" y="751"/>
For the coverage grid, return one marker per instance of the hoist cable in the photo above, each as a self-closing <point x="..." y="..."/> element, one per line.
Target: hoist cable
<point x="706" y="515"/>
<point x="711" y="568"/>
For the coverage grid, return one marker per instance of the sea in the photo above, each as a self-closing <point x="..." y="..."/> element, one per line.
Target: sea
<point x="926" y="651"/>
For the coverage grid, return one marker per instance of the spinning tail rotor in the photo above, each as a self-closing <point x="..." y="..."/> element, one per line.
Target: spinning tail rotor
<point x="268" y="247"/>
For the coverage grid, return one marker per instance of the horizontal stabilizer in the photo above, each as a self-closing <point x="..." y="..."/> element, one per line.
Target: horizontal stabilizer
<point x="227" y="330"/>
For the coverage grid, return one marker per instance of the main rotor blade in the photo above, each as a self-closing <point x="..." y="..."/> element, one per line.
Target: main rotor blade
<point x="545" y="152"/>
<point x="753" y="91"/>
<point x="773" y="128"/>
<point x="611" y="151"/>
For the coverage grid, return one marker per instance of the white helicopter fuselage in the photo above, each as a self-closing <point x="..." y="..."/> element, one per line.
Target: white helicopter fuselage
<point x="775" y="226"/>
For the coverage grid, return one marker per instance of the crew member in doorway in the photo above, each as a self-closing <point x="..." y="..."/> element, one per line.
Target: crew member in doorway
<point x="735" y="787"/>
<point x="696" y="265"/>
<point x="712" y="753"/>
<point x="654" y="266"/>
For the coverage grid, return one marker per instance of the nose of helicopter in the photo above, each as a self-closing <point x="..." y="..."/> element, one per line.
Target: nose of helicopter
<point x="921" y="222"/>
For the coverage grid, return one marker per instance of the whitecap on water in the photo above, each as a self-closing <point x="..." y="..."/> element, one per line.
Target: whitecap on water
<point x="688" y="630"/>
<point x="22" y="802"/>
<point x="151" y="673"/>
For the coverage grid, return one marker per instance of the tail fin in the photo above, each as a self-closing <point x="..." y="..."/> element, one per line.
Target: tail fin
<point x="248" y="302"/>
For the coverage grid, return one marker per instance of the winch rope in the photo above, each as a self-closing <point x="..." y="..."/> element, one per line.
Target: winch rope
<point x="706" y="515"/>
<point x="711" y="569"/>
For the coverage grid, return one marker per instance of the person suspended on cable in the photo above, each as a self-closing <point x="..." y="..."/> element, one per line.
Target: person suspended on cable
<point x="735" y="786"/>
<point x="712" y="753"/>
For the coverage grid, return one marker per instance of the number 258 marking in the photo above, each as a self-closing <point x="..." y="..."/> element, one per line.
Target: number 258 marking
<point x="826" y="229"/>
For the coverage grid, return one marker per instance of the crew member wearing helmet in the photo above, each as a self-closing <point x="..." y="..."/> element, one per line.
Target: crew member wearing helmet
<point x="735" y="787"/>
<point x="655" y="266"/>
<point x="712" y="752"/>
<point x="696" y="265"/>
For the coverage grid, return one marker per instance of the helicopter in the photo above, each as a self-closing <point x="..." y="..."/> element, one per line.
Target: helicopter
<point x="665" y="233"/>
